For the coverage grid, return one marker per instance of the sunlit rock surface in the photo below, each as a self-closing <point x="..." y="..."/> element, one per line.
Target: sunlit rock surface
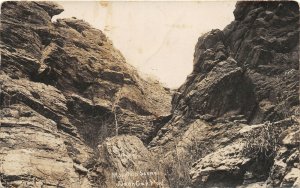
<point x="63" y="89"/>
<point x="75" y="114"/>
<point x="244" y="77"/>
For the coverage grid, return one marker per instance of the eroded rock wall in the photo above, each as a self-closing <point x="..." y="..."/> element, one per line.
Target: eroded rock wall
<point x="245" y="77"/>
<point x="75" y="114"/>
<point x="64" y="90"/>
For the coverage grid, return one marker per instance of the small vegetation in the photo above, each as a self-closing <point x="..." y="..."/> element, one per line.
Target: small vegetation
<point x="177" y="171"/>
<point x="262" y="142"/>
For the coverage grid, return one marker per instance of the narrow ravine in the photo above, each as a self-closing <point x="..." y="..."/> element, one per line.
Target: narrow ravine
<point x="74" y="113"/>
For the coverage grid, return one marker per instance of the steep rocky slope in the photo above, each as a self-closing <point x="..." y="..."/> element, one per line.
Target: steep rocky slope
<point x="75" y="114"/>
<point x="64" y="89"/>
<point x="235" y="121"/>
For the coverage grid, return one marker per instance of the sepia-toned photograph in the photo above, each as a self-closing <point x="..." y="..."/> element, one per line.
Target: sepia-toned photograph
<point x="149" y="94"/>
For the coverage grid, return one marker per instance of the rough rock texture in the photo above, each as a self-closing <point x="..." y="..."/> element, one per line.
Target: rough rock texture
<point x="251" y="158"/>
<point x="124" y="160"/>
<point x="79" y="61"/>
<point x="64" y="90"/>
<point x="234" y="119"/>
<point x="75" y="114"/>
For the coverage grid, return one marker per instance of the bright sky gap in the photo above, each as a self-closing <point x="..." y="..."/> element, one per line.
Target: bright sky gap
<point x="158" y="38"/>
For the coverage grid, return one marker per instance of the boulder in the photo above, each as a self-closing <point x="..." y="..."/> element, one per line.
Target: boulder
<point x="125" y="161"/>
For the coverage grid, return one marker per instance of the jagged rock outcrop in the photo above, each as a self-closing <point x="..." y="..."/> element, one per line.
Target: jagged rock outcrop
<point x="125" y="162"/>
<point x="79" y="61"/>
<point x="261" y="47"/>
<point x="245" y="77"/>
<point x="34" y="153"/>
<point x="64" y="90"/>
<point x="250" y="158"/>
<point x="75" y="114"/>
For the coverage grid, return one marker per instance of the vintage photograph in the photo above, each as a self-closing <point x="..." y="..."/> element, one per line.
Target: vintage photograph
<point x="149" y="94"/>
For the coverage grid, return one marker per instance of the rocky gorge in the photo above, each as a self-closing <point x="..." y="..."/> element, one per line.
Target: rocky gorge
<point x="74" y="113"/>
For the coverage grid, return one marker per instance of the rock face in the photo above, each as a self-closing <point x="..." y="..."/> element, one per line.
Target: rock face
<point x="125" y="161"/>
<point x="75" y="114"/>
<point x="245" y="68"/>
<point x="64" y="89"/>
<point x="233" y="117"/>
<point x="249" y="159"/>
<point x="79" y="61"/>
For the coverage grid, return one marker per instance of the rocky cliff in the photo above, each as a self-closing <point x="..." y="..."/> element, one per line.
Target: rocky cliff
<point x="64" y="90"/>
<point x="235" y="121"/>
<point x="75" y="114"/>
